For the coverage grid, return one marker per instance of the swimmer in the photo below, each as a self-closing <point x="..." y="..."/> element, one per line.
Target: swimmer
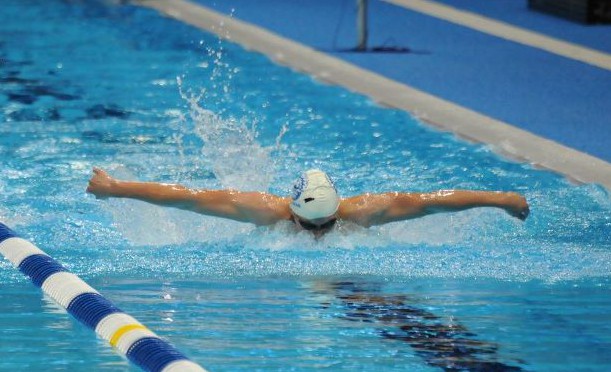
<point x="314" y="204"/>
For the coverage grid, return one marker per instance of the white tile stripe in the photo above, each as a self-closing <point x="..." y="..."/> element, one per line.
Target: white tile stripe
<point x="507" y="31"/>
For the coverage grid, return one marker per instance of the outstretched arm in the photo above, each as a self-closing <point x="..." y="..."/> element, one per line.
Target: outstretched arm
<point x="376" y="209"/>
<point x="255" y="207"/>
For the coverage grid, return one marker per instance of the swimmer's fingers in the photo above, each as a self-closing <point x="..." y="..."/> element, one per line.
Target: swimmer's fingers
<point x="100" y="171"/>
<point x="99" y="184"/>
<point x="519" y="208"/>
<point x="522" y="215"/>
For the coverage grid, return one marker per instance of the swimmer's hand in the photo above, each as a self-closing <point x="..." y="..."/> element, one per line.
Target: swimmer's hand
<point x="101" y="184"/>
<point x="517" y="206"/>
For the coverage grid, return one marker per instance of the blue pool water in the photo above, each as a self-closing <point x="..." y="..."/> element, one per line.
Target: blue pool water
<point x="92" y="84"/>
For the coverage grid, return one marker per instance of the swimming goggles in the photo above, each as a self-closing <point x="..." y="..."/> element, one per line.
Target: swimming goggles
<point x="312" y="226"/>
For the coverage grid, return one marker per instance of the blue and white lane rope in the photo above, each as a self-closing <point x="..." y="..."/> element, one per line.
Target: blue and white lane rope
<point x="132" y="339"/>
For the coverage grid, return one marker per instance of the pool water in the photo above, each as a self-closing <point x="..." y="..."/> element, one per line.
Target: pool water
<point x="95" y="83"/>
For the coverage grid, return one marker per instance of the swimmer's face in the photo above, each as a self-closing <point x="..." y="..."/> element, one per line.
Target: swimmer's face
<point x="318" y="226"/>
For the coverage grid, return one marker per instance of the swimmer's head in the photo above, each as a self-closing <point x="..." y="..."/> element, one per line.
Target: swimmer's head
<point x="314" y="196"/>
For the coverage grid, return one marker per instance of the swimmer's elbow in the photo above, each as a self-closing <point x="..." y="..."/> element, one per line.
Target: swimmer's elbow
<point x="405" y="207"/>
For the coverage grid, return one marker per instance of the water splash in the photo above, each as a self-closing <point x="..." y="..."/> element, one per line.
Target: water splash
<point x="231" y="148"/>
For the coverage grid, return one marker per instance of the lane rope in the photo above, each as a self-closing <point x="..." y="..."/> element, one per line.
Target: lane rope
<point x="123" y="332"/>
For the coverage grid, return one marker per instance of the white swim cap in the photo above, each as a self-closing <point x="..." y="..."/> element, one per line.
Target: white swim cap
<point x="314" y="196"/>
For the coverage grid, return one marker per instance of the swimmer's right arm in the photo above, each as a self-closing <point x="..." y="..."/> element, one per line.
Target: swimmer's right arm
<point x="255" y="207"/>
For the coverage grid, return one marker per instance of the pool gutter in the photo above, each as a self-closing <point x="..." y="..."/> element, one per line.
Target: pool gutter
<point x="502" y="137"/>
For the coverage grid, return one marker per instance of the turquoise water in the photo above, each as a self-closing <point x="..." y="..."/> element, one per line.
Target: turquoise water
<point x="91" y="84"/>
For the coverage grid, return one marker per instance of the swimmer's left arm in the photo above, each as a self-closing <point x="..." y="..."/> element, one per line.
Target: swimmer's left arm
<point x="377" y="209"/>
<point x="458" y="200"/>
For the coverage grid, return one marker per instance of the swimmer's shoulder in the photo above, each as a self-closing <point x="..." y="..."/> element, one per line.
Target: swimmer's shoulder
<point x="269" y="208"/>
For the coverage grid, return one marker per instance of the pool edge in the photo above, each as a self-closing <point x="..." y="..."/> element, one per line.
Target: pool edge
<point x="505" y="139"/>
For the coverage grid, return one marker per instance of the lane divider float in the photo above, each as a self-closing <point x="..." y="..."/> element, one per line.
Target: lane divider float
<point x="128" y="336"/>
